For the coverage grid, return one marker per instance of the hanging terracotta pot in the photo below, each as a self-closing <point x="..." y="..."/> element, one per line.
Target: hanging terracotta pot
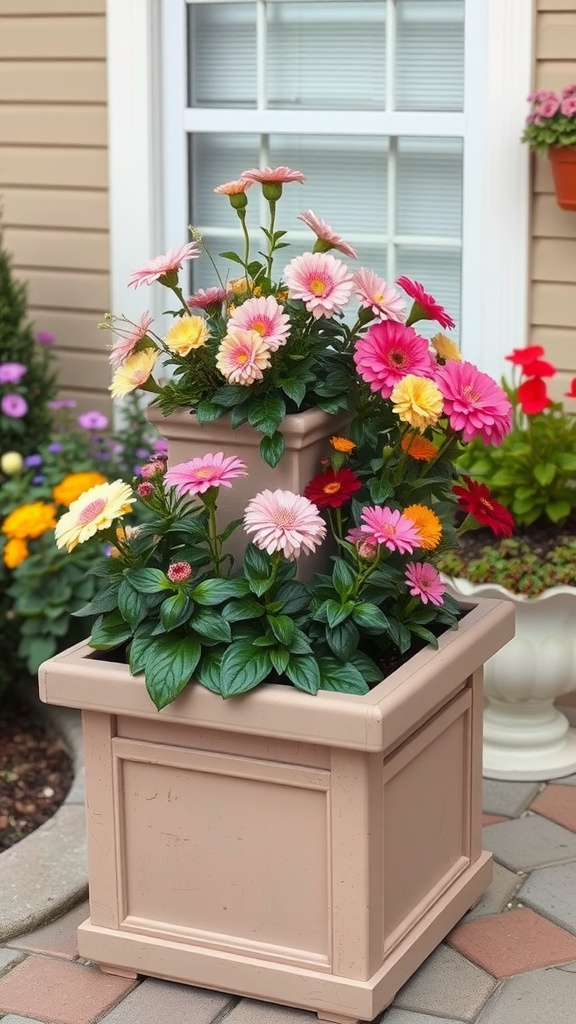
<point x="563" y="161"/>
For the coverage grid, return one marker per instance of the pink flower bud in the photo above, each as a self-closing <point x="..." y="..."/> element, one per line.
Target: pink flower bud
<point x="145" y="490"/>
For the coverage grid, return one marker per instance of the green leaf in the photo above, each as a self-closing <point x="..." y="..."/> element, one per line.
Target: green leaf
<point x="103" y="601"/>
<point x="343" y="640"/>
<point x="242" y="609"/>
<point x="566" y="462"/>
<point x="279" y="657"/>
<point x="557" y="510"/>
<point x="545" y="473"/>
<point x="243" y="667"/>
<point x="341" y="678"/>
<point x="208" y="670"/>
<point x="109" y="631"/>
<point x="300" y="644"/>
<point x="175" y="610"/>
<point x="40" y="648"/>
<point x="369" y="616"/>
<point x="295" y="388"/>
<point x="337" y="613"/>
<point x="272" y="449"/>
<point x="211" y="625"/>
<point x="137" y="657"/>
<point x="267" y="414"/>
<point x="207" y="412"/>
<point x="342" y="578"/>
<point x="283" y="628"/>
<point x="232" y="256"/>
<point x="170" y="662"/>
<point x="214" y="591"/>
<point x="303" y="671"/>
<point x="132" y="605"/>
<point x="229" y="395"/>
<point x="380" y="491"/>
<point x="148" y="581"/>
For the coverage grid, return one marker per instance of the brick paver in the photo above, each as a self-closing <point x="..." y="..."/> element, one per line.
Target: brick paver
<point x="504" y="885"/>
<point x="543" y="997"/>
<point x="8" y="958"/>
<point x="447" y="985"/>
<point x="559" y="804"/>
<point x="58" y="938"/>
<point x="251" y="1011"/>
<point x="529" y="842"/>
<point x="165" y="1002"/>
<point x="58" y="991"/>
<point x="514" y="942"/>
<point x="552" y="891"/>
<point x="395" y="1016"/>
<point x="507" y="798"/>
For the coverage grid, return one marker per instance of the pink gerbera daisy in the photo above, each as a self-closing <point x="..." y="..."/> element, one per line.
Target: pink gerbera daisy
<point x="197" y="475"/>
<point x="425" y="306"/>
<point x="388" y="352"/>
<point x="242" y="356"/>
<point x="474" y="403"/>
<point x="204" y="298"/>
<point x="327" y="237"/>
<point x="322" y="282"/>
<point x="161" y="266"/>
<point x="265" y="316"/>
<point x="375" y="294"/>
<point x="275" y="175"/>
<point x="390" y="528"/>
<point x="129" y="338"/>
<point x="424" y="581"/>
<point x="284" y="521"/>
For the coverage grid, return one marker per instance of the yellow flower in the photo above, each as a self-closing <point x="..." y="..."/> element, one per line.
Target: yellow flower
<point x="428" y="525"/>
<point x="29" y="521"/>
<point x="133" y="373"/>
<point x="73" y="485"/>
<point x="92" y="511"/>
<point x="342" y="444"/>
<point x="417" y="401"/>
<point x="15" y="552"/>
<point x="418" y="447"/>
<point x="186" y="334"/>
<point x="11" y="463"/>
<point x="445" y="348"/>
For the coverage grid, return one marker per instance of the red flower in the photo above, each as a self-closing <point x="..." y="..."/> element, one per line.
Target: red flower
<point x="332" y="488"/>
<point x="523" y="356"/>
<point x="429" y="308"/>
<point x="538" y="368"/>
<point x="572" y="392"/>
<point x="477" y="501"/>
<point x="533" y="396"/>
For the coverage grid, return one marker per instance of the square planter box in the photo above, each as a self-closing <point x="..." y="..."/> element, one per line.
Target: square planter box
<point x="310" y="851"/>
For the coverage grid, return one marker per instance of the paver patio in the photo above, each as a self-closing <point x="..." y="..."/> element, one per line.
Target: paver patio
<point x="511" y="960"/>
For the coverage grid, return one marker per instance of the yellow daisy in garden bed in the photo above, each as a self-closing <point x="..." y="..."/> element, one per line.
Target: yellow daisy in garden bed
<point x="31" y="520"/>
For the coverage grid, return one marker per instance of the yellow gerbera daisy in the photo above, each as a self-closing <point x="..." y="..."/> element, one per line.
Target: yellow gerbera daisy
<point x="428" y="525"/>
<point x="94" y="510"/>
<point x="342" y="444"/>
<point x="417" y="401"/>
<point x="186" y="334"/>
<point x="15" y="552"/>
<point x="73" y="485"/>
<point x="418" y="447"/>
<point x="445" y="348"/>
<point x="29" y="521"/>
<point x="133" y="373"/>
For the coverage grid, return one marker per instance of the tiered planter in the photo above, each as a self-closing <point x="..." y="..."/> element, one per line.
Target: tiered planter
<point x="311" y="851"/>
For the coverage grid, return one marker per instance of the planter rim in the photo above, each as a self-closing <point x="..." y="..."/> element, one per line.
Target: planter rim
<point x="466" y="588"/>
<point x="75" y="678"/>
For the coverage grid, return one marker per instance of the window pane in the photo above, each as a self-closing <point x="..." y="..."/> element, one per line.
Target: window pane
<point x="222" y="55"/>
<point x="429" y="54"/>
<point x="429" y="191"/>
<point x="438" y="269"/>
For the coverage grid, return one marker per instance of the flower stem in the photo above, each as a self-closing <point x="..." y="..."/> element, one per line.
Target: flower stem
<point x="272" y="205"/>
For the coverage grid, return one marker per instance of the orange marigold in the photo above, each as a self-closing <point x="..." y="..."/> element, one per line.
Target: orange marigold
<point x="29" y="521"/>
<point x="418" y="447"/>
<point x="428" y="525"/>
<point x="73" y="485"/>
<point x="15" y="552"/>
<point x="342" y="444"/>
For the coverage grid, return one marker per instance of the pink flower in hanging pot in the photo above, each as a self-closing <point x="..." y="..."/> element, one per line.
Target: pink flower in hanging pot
<point x="322" y="282"/>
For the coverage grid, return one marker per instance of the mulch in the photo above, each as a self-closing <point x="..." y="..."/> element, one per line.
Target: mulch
<point x="35" y="771"/>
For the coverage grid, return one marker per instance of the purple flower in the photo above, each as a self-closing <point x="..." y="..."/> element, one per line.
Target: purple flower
<point x="39" y="479"/>
<point x="160" y="446"/>
<point x="93" y="420"/>
<point x="45" y="337"/>
<point x="55" y="447"/>
<point x="62" y="403"/>
<point x="14" y="405"/>
<point x="12" y="373"/>
<point x="33" y="460"/>
<point x="142" y="453"/>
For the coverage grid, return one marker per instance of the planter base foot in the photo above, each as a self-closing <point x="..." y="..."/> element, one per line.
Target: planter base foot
<point x="120" y="972"/>
<point x="337" y="1018"/>
<point x="527" y="743"/>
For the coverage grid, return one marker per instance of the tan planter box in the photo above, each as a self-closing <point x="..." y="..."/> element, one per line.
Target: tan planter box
<point x="311" y="851"/>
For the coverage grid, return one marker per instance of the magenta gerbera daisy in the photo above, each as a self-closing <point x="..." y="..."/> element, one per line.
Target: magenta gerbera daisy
<point x="425" y="306"/>
<point x="284" y="521"/>
<point x="388" y="352"/>
<point x="474" y="403"/>
<point x="425" y="582"/>
<point x="375" y="294"/>
<point x="210" y="470"/>
<point x="265" y="316"/>
<point x="160" y="266"/>
<point x="322" y="282"/>
<point x="390" y="528"/>
<point x="327" y="237"/>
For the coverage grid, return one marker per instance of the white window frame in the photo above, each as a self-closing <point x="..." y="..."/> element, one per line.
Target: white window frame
<point x="148" y="151"/>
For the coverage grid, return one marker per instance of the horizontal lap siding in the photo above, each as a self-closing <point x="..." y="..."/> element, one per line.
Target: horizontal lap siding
<point x="53" y="178"/>
<point x="553" y="258"/>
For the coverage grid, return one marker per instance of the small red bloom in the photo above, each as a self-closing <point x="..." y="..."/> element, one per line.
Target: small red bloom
<point x="332" y="488"/>
<point x="538" y="368"/>
<point x="533" y="396"/>
<point x="477" y="501"/>
<point x="572" y="392"/>
<point x="429" y="308"/>
<point x="524" y="356"/>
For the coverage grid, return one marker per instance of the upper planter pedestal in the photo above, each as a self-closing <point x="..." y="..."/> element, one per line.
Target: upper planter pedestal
<point x="310" y="851"/>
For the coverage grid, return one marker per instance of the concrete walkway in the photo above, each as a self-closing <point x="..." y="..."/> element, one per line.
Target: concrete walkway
<point x="512" y="960"/>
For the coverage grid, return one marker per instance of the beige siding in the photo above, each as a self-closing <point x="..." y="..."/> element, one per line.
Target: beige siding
<point x="53" y="177"/>
<point x="553" y="255"/>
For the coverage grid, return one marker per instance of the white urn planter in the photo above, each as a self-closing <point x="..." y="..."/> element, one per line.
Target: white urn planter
<point x="525" y="736"/>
